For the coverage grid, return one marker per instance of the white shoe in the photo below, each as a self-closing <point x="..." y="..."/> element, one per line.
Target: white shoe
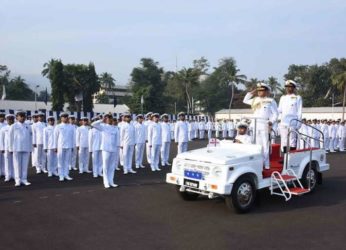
<point x="26" y="183"/>
<point x="68" y="178"/>
<point x="137" y="167"/>
<point x="168" y="164"/>
<point x="125" y="172"/>
<point x="61" y="179"/>
<point x="50" y="175"/>
<point x="153" y="169"/>
<point x="117" y="169"/>
<point x="132" y="171"/>
<point x="163" y="165"/>
<point x="157" y="169"/>
<point x="17" y="185"/>
<point x="45" y="171"/>
<point x="38" y="171"/>
<point x="74" y="168"/>
<point x="107" y="186"/>
<point x="114" y="185"/>
<point x="95" y="176"/>
<point x="80" y="172"/>
<point x="142" y="166"/>
<point x="88" y="171"/>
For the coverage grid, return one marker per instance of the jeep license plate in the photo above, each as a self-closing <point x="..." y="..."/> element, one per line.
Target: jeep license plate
<point x="191" y="183"/>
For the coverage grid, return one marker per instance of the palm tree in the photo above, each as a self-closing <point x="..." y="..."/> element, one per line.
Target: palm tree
<point x="47" y="68"/>
<point x="339" y="81"/>
<point x="274" y="85"/>
<point x="107" y="81"/>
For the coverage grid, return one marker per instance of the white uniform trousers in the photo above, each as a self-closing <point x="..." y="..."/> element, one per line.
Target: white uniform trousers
<point x="148" y="152"/>
<point x="64" y="160"/>
<point x="201" y="134"/>
<point x="196" y="133"/>
<point x="73" y="159"/>
<point x="108" y="167"/>
<point x="217" y="133"/>
<point x="20" y="165"/>
<point x="209" y="134"/>
<point x="182" y="147"/>
<point x="165" y="152"/>
<point x="231" y="133"/>
<point x="341" y="144"/>
<point x="97" y="162"/>
<point x="2" y="164"/>
<point x="224" y="133"/>
<point x="52" y="162"/>
<point x="331" y="144"/>
<point x="121" y="157"/>
<point x="40" y="158"/>
<point x="336" y="143"/>
<point x="262" y="138"/>
<point x="83" y="159"/>
<point x="139" y="154"/>
<point x="34" y="157"/>
<point x="284" y="137"/>
<point x="191" y="135"/>
<point x="155" y="157"/>
<point x="128" y="156"/>
<point x="326" y="143"/>
<point x="8" y="163"/>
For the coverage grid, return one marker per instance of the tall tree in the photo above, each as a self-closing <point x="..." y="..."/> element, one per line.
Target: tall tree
<point x="339" y="81"/>
<point x="18" y="89"/>
<point x="147" y="81"/>
<point x="107" y="81"/>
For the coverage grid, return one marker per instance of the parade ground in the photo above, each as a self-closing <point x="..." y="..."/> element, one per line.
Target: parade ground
<point x="146" y="213"/>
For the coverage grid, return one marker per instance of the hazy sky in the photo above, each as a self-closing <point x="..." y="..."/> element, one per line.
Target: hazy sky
<point x="263" y="36"/>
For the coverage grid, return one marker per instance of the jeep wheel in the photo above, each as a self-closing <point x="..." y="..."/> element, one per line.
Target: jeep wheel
<point x="243" y="195"/>
<point x="309" y="175"/>
<point x="187" y="196"/>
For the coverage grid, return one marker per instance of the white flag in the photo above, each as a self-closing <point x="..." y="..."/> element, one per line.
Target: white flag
<point x="3" y="92"/>
<point x="142" y="100"/>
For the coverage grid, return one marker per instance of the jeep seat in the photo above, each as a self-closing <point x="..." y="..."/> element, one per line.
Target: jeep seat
<point x="276" y="161"/>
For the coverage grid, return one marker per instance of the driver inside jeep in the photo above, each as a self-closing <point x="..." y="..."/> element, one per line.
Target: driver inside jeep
<point x="242" y="135"/>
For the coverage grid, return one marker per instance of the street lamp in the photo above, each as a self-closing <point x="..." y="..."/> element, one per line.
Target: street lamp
<point x="36" y="87"/>
<point x="232" y="95"/>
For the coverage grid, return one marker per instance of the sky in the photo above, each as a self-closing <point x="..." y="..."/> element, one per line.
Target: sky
<point x="264" y="37"/>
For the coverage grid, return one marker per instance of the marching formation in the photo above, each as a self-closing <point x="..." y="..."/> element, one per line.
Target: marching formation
<point x="110" y="143"/>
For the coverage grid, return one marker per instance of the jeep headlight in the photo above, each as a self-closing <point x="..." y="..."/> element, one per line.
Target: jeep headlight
<point x="216" y="171"/>
<point x="178" y="165"/>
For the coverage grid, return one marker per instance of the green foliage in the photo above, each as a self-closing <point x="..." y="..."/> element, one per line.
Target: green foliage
<point x="107" y="81"/>
<point x="102" y="98"/>
<point x="18" y="89"/>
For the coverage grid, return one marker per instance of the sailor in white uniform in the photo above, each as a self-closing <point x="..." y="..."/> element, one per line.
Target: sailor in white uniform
<point x="155" y="142"/>
<point x="242" y="135"/>
<point x="166" y="140"/>
<point x="201" y="128"/>
<point x="324" y="130"/>
<point x="34" y="149"/>
<point x="209" y="128"/>
<point x="5" y="148"/>
<point x="265" y="111"/>
<point x="147" y="122"/>
<point x="2" y="163"/>
<point x="109" y="146"/>
<point x="181" y="133"/>
<point x="341" y="136"/>
<point x="82" y="145"/>
<point x="290" y="109"/>
<point x="20" y="144"/>
<point x="332" y="135"/>
<point x="74" y="153"/>
<point x="94" y="140"/>
<point x="65" y="144"/>
<point x="230" y="128"/>
<point x="224" y="129"/>
<point x="49" y="147"/>
<point x="141" y="132"/>
<point x="127" y="142"/>
<point x="37" y="141"/>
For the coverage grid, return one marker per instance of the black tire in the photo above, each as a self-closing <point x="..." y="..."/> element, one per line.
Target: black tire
<point x="239" y="201"/>
<point x="305" y="180"/>
<point x="187" y="196"/>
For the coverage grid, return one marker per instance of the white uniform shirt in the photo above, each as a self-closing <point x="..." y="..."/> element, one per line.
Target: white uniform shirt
<point x="146" y="124"/>
<point x="110" y="136"/>
<point x="94" y="140"/>
<point x="37" y="133"/>
<point x="4" y="138"/>
<point x="324" y="129"/>
<point x="154" y="134"/>
<point x="224" y="126"/>
<point x="127" y="134"/>
<point x="245" y="139"/>
<point x="48" y="137"/>
<point x="264" y="108"/>
<point x="82" y="136"/>
<point x="166" y="132"/>
<point x="141" y="133"/>
<point x="20" y="137"/>
<point x="201" y="125"/>
<point x="181" y="132"/>
<point x="331" y="131"/>
<point x="230" y="125"/>
<point x="209" y="125"/>
<point x="64" y="136"/>
<point x="290" y="107"/>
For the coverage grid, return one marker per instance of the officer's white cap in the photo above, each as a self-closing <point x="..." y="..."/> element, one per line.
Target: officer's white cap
<point x="126" y="114"/>
<point x="71" y="116"/>
<point x="148" y="114"/>
<point x="164" y="115"/>
<point x="50" y="117"/>
<point x="262" y="85"/>
<point x="139" y="116"/>
<point x="19" y="112"/>
<point x="40" y="113"/>
<point x="9" y="115"/>
<point x="156" y="114"/>
<point x="242" y="124"/>
<point x="84" y="118"/>
<point x="290" y="83"/>
<point x="63" y="114"/>
<point x="181" y="114"/>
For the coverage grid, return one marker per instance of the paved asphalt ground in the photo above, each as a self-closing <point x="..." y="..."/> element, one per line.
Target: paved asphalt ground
<point x="146" y="213"/>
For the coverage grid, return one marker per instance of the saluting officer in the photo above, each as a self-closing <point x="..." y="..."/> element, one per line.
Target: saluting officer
<point x="181" y="133"/>
<point x="265" y="110"/>
<point x="65" y="144"/>
<point x="49" y="147"/>
<point x="20" y="142"/>
<point x="110" y="148"/>
<point x="290" y="108"/>
<point x="5" y="148"/>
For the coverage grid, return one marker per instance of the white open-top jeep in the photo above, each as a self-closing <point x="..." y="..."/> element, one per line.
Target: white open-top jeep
<point x="235" y="171"/>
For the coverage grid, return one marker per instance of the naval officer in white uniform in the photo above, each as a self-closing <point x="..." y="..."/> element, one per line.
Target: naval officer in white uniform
<point x="82" y="145"/>
<point x="20" y="144"/>
<point x="181" y="133"/>
<point x="5" y="148"/>
<point x="265" y="111"/>
<point x="49" y="147"/>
